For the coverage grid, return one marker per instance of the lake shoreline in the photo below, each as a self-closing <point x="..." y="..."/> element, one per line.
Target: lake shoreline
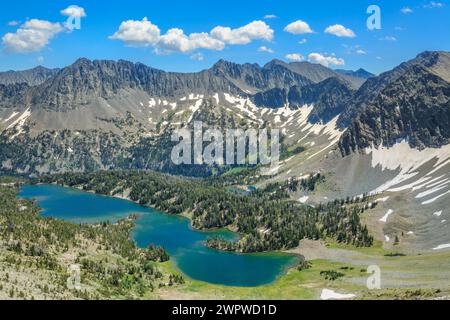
<point x="271" y="266"/>
<point x="187" y="215"/>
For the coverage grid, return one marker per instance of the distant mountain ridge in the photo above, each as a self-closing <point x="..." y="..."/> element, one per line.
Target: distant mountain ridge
<point x="31" y="77"/>
<point x="317" y="72"/>
<point x="360" y="73"/>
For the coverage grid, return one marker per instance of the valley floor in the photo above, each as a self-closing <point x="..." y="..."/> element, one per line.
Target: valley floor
<point x="407" y="277"/>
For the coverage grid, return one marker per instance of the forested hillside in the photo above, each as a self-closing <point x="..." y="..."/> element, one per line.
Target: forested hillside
<point x="266" y="223"/>
<point x="36" y="254"/>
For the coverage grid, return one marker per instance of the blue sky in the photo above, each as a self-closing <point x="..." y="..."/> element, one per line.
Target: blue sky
<point x="33" y="32"/>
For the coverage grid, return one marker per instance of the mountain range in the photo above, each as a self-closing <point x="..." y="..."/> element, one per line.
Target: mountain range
<point x="387" y="134"/>
<point x="90" y="90"/>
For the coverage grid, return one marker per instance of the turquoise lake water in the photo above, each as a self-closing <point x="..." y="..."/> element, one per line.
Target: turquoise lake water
<point x="185" y="245"/>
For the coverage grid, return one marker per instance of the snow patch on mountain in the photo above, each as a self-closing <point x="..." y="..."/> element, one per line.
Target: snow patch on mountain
<point x="11" y="116"/>
<point x="442" y="246"/>
<point x="436" y="198"/>
<point x="194" y="109"/>
<point x="20" y="122"/>
<point x="386" y="216"/>
<point x="407" y="160"/>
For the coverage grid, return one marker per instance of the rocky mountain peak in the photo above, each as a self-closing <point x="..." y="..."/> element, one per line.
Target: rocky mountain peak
<point x="415" y="106"/>
<point x="436" y="62"/>
<point x="81" y="62"/>
<point x="275" y="62"/>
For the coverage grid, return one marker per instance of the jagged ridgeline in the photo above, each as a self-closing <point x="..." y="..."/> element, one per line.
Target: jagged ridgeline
<point x="103" y="115"/>
<point x="96" y="115"/>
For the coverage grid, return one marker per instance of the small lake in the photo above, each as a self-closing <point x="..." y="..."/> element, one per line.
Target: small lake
<point x="185" y="245"/>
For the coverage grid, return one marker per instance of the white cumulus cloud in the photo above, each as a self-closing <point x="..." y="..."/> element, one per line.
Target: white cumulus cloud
<point x="137" y="33"/>
<point x="294" y="57"/>
<point x="256" y="30"/>
<point x="74" y="11"/>
<point x="32" y="36"/>
<point x="340" y="31"/>
<point x="176" y="40"/>
<point x="298" y="27"/>
<point x="144" y="34"/>
<point x="270" y="16"/>
<point x="325" y="60"/>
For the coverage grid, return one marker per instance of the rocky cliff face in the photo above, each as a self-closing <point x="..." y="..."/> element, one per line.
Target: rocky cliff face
<point x="414" y="107"/>
<point x="329" y="98"/>
<point x="13" y="95"/>
<point x="436" y="62"/>
<point x="251" y="78"/>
